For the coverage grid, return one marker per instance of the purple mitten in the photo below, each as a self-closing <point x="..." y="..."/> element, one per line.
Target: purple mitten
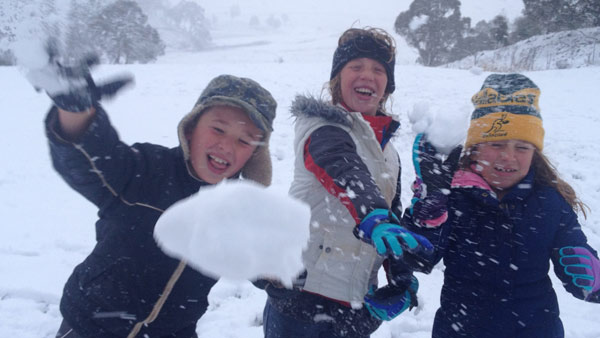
<point x="583" y="267"/>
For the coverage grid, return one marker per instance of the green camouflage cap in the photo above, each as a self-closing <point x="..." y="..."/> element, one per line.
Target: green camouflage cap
<point x="244" y="93"/>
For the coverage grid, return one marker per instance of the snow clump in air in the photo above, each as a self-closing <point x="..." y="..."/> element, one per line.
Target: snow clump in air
<point x="444" y="129"/>
<point x="237" y="230"/>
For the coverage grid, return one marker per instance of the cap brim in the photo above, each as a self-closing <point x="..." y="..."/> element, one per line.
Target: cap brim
<point x="259" y="120"/>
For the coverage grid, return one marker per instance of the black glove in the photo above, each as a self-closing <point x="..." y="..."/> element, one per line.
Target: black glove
<point x="432" y="171"/>
<point x="72" y="88"/>
<point x="388" y="302"/>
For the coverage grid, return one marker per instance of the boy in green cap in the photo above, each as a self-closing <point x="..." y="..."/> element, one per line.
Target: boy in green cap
<point x="127" y="287"/>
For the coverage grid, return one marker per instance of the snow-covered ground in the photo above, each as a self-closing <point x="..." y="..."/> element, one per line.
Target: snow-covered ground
<point x="47" y="228"/>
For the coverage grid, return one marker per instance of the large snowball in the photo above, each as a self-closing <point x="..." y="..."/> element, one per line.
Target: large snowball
<point x="445" y="129"/>
<point x="237" y="230"/>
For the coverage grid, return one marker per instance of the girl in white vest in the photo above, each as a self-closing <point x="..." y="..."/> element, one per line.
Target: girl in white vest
<point x="349" y="173"/>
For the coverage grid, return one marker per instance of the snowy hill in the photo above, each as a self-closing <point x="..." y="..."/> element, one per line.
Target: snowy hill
<point x="47" y="228"/>
<point x="568" y="49"/>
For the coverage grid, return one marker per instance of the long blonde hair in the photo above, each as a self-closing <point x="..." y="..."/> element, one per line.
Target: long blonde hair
<point x="546" y="174"/>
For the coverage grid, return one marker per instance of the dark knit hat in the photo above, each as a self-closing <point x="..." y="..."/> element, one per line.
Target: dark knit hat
<point x="506" y="108"/>
<point x="364" y="46"/>
<point x="252" y="98"/>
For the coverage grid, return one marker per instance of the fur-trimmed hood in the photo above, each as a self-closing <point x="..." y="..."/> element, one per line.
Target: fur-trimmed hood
<point x="309" y="106"/>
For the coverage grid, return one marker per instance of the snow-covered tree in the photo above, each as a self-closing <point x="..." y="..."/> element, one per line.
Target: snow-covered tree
<point x="7" y="35"/>
<point x="484" y="36"/>
<point x="499" y="31"/>
<point x="548" y="16"/>
<point x="7" y="57"/>
<point x="476" y="39"/>
<point x="551" y="15"/>
<point x="188" y="17"/>
<point x="590" y="12"/>
<point x="523" y="28"/>
<point x="182" y="26"/>
<point x="123" y="34"/>
<point x="79" y="39"/>
<point x="434" y="28"/>
<point x="273" y="21"/>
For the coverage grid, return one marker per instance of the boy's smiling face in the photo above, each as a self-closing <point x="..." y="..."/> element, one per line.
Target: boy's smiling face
<point x="503" y="163"/>
<point x="222" y="142"/>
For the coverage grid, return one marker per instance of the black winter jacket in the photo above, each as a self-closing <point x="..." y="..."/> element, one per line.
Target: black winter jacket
<point x="118" y="284"/>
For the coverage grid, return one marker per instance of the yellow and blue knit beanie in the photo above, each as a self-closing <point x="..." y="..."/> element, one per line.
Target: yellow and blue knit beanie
<point x="506" y="108"/>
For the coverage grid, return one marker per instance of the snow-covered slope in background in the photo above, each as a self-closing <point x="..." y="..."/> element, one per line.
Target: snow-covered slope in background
<point x="561" y="50"/>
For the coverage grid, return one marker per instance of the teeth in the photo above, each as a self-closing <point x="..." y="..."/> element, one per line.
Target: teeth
<point x="506" y="170"/>
<point x="218" y="160"/>
<point x="365" y="91"/>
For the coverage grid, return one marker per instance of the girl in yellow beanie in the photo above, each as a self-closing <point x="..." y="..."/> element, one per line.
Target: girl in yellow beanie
<point x="499" y="220"/>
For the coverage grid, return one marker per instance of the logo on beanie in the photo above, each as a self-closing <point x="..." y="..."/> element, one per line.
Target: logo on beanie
<point x="489" y="97"/>
<point x="496" y="128"/>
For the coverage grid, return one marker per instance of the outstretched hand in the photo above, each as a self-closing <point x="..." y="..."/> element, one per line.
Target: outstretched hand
<point x="381" y="229"/>
<point x="583" y="267"/>
<point x="72" y="88"/>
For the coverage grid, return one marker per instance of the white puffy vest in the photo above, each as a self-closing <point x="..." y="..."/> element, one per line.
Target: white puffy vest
<point x="338" y="265"/>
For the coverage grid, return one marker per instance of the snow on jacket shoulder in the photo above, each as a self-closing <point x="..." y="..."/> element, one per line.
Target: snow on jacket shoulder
<point x="118" y="284"/>
<point x="343" y="173"/>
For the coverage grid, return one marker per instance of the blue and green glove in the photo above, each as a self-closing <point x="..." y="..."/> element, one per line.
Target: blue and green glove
<point x="381" y="229"/>
<point x="584" y="268"/>
<point x="387" y="302"/>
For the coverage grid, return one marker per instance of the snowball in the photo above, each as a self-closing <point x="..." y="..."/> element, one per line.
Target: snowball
<point x="476" y="70"/>
<point x="30" y="53"/>
<point x="445" y="129"/>
<point x="420" y="117"/>
<point x="238" y="230"/>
